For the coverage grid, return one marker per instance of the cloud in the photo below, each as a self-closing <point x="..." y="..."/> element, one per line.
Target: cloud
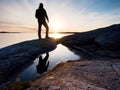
<point x="17" y="13"/>
<point x="73" y="15"/>
<point x="79" y="16"/>
<point x="93" y="20"/>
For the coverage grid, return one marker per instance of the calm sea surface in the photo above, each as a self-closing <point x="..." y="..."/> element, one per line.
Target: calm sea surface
<point x="60" y="54"/>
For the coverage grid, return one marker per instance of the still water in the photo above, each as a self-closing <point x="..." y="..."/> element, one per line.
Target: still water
<point x="60" y="54"/>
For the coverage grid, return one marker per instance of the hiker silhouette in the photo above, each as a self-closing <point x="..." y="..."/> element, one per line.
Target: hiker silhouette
<point x="41" y="15"/>
<point x="43" y="64"/>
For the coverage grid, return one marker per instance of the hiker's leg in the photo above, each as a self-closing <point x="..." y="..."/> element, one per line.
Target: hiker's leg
<point x="47" y="29"/>
<point x="39" y="30"/>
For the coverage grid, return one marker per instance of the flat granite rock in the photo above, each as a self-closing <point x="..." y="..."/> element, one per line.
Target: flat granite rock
<point x="116" y="67"/>
<point x="15" y="57"/>
<point x="79" y="75"/>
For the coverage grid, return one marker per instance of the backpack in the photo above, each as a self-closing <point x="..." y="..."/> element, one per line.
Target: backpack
<point x="37" y="13"/>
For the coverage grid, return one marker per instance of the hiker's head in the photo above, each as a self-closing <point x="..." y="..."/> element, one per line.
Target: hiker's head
<point x="41" y="5"/>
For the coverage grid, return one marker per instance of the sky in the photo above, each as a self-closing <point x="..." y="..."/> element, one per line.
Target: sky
<point x="64" y="15"/>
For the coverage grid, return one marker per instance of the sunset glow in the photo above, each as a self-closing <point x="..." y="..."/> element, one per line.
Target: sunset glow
<point x="56" y="35"/>
<point x="55" y="26"/>
<point x="64" y="15"/>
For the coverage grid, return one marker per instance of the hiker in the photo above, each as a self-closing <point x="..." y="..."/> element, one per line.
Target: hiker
<point x="41" y="15"/>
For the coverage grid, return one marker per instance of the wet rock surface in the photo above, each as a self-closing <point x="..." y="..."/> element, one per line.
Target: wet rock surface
<point x="14" y="58"/>
<point x="80" y="75"/>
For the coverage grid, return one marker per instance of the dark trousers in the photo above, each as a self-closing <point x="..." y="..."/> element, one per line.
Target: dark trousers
<point x="40" y="27"/>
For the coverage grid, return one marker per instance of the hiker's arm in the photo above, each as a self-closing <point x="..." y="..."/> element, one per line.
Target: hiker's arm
<point x="46" y="16"/>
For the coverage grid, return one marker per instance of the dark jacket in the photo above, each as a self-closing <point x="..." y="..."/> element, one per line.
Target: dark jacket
<point x="41" y="14"/>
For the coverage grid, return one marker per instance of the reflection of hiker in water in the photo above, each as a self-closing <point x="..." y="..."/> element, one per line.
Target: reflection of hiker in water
<point x="41" y="15"/>
<point x="42" y="64"/>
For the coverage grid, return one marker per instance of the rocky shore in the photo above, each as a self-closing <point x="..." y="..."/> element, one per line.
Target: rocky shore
<point x="103" y="42"/>
<point x="80" y="75"/>
<point x="99" y="68"/>
<point x="14" y="58"/>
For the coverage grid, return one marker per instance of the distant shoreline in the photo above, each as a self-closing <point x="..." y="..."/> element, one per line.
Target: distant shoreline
<point x="43" y="32"/>
<point x="10" y="32"/>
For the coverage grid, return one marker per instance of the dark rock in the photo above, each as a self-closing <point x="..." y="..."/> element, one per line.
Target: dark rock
<point x="110" y="40"/>
<point x="16" y="86"/>
<point x="96" y="41"/>
<point x="89" y="37"/>
<point x="14" y="58"/>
